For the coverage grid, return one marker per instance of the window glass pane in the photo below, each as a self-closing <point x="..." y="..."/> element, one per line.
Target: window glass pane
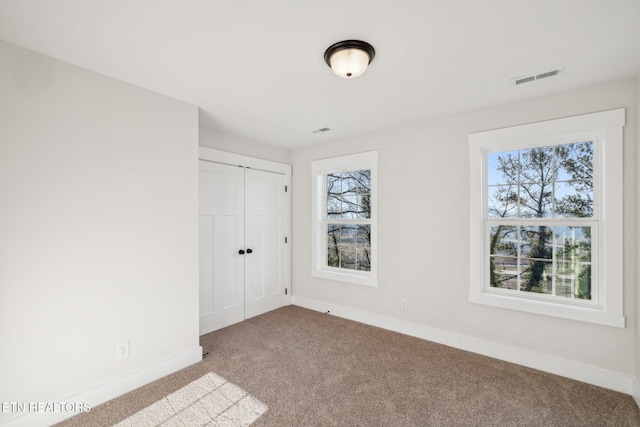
<point x="503" y="201"/>
<point x="349" y="194"/>
<point x="333" y="234"/>
<point x="363" y="178"/>
<point x="574" y="199"/>
<point x="503" y="240"/>
<point x="537" y="165"/>
<point x="348" y="235"/>
<point x="574" y="191"/>
<point x="573" y="244"/>
<point x="502" y="168"/>
<point x="349" y="205"/>
<point x="536" y="276"/>
<point x="333" y="256"/>
<point x="334" y="193"/>
<point x="573" y="280"/>
<point x="545" y="259"/>
<point x="541" y="182"/>
<point x="349" y="183"/>
<point x="347" y="257"/>
<point x="504" y="272"/>
<point x="364" y="235"/>
<point x="349" y="246"/>
<point x="364" y="205"/>
<point x="334" y="207"/>
<point x="536" y="200"/>
<point x="575" y="161"/>
<point x="363" y="259"/>
<point x="536" y="242"/>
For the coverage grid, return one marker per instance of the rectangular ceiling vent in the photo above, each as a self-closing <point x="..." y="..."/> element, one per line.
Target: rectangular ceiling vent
<point x="526" y="79"/>
<point x="321" y="130"/>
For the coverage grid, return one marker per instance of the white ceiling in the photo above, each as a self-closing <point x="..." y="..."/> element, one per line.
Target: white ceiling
<point x="256" y="69"/>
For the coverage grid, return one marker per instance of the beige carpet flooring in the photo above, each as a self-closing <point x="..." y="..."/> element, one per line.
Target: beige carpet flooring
<point x="296" y="367"/>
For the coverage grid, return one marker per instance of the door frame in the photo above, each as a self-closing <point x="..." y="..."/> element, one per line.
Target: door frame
<point x="233" y="159"/>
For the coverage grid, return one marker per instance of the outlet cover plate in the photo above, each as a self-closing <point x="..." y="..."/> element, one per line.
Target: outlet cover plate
<point x="122" y="350"/>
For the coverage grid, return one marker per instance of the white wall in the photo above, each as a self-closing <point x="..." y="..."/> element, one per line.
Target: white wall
<point x="98" y="233"/>
<point x="423" y="244"/>
<point x="636" y="388"/>
<point x="218" y="140"/>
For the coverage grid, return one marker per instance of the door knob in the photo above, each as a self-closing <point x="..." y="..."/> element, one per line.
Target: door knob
<point x="249" y="251"/>
<point x="241" y="252"/>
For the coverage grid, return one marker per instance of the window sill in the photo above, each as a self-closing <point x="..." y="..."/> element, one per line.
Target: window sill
<point x="573" y="312"/>
<point x="358" y="279"/>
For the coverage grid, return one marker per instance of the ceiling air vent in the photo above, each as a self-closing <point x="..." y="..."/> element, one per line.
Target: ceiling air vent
<point x="526" y="79"/>
<point x="321" y="130"/>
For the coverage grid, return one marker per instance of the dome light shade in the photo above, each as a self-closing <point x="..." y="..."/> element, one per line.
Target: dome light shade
<point x="349" y="59"/>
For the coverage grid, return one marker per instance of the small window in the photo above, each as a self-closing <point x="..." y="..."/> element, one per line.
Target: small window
<point x="344" y="235"/>
<point x="550" y="200"/>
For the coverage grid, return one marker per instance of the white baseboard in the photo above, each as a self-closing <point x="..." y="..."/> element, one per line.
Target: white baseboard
<point x="112" y="389"/>
<point x="635" y="391"/>
<point x="566" y="368"/>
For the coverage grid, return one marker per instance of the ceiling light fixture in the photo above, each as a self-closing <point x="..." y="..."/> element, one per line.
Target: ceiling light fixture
<point x="349" y="58"/>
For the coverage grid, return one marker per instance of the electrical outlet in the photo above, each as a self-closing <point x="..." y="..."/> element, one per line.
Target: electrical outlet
<point x="122" y="350"/>
<point x="403" y="305"/>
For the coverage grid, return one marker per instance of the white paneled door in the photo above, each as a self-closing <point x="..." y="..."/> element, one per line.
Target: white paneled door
<point x="221" y="239"/>
<point x="265" y="224"/>
<point x="242" y="246"/>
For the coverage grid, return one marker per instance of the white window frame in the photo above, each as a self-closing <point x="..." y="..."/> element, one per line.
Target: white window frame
<point x="607" y="255"/>
<point x="319" y="171"/>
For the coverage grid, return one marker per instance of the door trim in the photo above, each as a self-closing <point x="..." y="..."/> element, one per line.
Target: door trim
<point x="233" y="159"/>
<point x="213" y="155"/>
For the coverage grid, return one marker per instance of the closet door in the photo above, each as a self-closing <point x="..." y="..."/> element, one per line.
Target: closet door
<point x="265" y="225"/>
<point x="221" y="245"/>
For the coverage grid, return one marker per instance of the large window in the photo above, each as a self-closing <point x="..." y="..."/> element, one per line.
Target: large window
<point x="540" y="220"/>
<point x="344" y="215"/>
<point x="546" y="218"/>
